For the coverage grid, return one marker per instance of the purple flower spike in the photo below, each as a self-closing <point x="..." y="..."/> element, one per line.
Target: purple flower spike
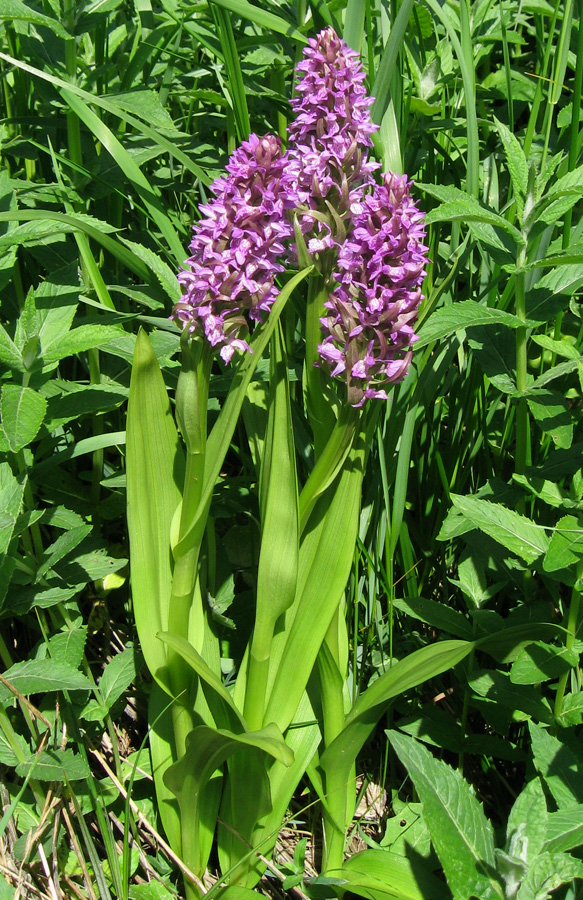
<point x="236" y="246"/>
<point x="368" y="331"/>
<point x="330" y="133"/>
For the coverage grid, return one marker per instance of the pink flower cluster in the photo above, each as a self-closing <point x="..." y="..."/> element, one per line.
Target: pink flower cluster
<point x="368" y="235"/>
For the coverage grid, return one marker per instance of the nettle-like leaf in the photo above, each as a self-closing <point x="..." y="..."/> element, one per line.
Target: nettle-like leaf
<point x="560" y="768"/>
<point x="566" y="545"/>
<point x="540" y="662"/>
<point x="516" y="162"/>
<point x="509" y="528"/>
<point x="461" y="834"/>
<point x="23" y="411"/>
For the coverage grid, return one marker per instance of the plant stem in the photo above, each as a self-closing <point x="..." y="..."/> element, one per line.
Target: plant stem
<point x="522" y="423"/>
<point x="571" y="633"/>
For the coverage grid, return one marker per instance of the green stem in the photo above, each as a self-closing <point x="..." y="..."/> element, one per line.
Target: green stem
<point x="318" y="400"/>
<point x="191" y="414"/>
<point x="571" y="634"/>
<point x="522" y="423"/>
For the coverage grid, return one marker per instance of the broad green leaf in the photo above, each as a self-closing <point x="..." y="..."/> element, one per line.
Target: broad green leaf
<point x="509" y="528"/>
<point x="540" y="662"/>
<point x="494" y="348"/>
<point x="527" y="823"/>
<point x="571" y="710"/>
<point x="551" y="412"/>
<point x="413" y="670"/>
<point x="566" y="544"/>
<point x="82" y="401"/>
<point x="118" y="675"/>
<point x="15" y="10"/>
<point x="155" y="472"/>
<point x="225" y="712"/>
<point x="158" y="267"/>
<point x="9" y="353"/>
<point x="23" y="411"/>
<point x="380" y="875"/>
<point x="64" y="545"/>
<point x="456" y="316"/>
<point x="436" y="614"/>
<point x="524" y="700"/>
<point x="564" y="830"/>
<point x="262" y="17"/>
<point x="55" y="765"/>
<point x="67" y="646"/>
<point x="206" y="751"/>
<point x="36" y="676"/>
<point x="279" y="504"/>
<point x="145" y="104"/>
<point x="516" y="162"/>
<point x="558" y="766"/>
<point x="468" y="210"/>
<point x="78" y="340"/>
<point x="547" y="872"/>
<point x="461" y="834"/>
<point x="325" y="560"/>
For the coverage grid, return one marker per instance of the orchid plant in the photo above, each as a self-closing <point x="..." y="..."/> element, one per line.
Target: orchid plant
<point x="302" y="251"/>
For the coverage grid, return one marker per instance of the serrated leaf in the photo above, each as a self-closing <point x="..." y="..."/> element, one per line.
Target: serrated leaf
<point x="466" y="313"/>
<point x="497" y="687"/>
<point x="42" y="676"/>
<point x="23" y="411"/>
<point x="467" y="210"/>
<point x="55" y="765"/>
<point x="161" y="270"/>
<point x="67" y="646"/>
<point x="540" y="662"/>
<point x="527" y="823"/>
<point x="78" y="340"/>
<point x="9" y="353"/>
<point x="436" y="614"/>
<point x="64" y="545"/>
<point x="461" y="834"/>
<point x="14" y="10"/>
<point x="552" y="414"/>
<point x="118" y="675"/>
<point x="564" y="830"/>
<point x="516" y="162"/>
<point x="566" y="545"/>
<point x="380" y="875"/>
<point x="548" y="872"/>
<point x="560" y="768"/>
<point x="507" y="527"/>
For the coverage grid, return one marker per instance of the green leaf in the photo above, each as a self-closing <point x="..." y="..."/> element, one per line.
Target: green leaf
<point x="436" y="614"/>
<point x="462" y="836"/>
<point x="380" y="875"/>
<point x="118" y="675"/>
<point x="523" y="700"/>
<point x="78" y="340"/>
<point x="23" y="411"/>
<point x="55" y="765"/>
<point x="67" y="646"/>
<point x="14" y="10"/>
<point x="566" y="544"/>
<point x="64" y="545"/>
<point x="206" y="751"/>
<point x="548" y="872"/>
<point x="36" y="676"/>
<point x="467" y="210"/>
<point x="510" y="529"/>
<point x="225" y="712"/>
<point x="558" y="766"/>
<point x="540" y="662"/>
<point x="9" y="353"/>
<point x="551" y="412"/>
<point x="527" y="823"/>
<point x="456" y="316"/>
<point x="516" y="162"/>
<point x="564" y="830"/>
<point x="262" y="17"/>
<point x="155" y="472"/>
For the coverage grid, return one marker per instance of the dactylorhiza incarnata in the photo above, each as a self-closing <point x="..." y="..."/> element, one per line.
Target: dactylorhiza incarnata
<point x="365" y="236"/>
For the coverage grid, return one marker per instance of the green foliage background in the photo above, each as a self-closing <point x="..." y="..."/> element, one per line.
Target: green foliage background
<point x="115" y="118"/>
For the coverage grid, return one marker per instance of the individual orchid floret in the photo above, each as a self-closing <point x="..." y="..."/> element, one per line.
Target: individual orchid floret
<point x="330" y="134"/>
<point x="368" y="329"/>
<point x="236" y="247"/>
